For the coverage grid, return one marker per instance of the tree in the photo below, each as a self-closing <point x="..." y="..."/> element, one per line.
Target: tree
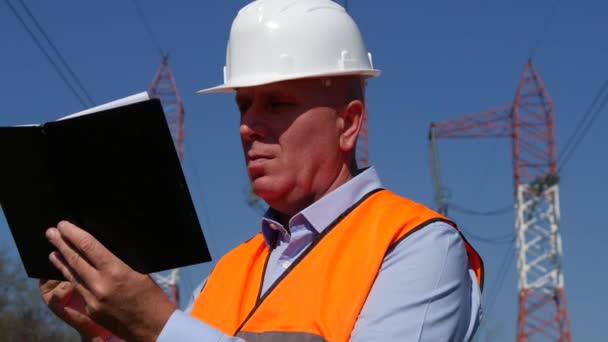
<point x="23" y="314"/>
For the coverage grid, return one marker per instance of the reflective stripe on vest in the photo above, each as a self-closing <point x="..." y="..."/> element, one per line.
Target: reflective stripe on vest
<point x="320" y="295"/>
<point x="279" y="336"/>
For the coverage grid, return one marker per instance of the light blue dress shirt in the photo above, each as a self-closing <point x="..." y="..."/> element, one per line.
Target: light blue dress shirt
<point x="424" y="290"/>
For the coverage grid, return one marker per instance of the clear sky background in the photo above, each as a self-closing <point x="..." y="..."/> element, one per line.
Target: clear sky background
<point x="440" y="59"/>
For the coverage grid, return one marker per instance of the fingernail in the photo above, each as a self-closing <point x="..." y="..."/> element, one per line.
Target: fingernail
<point x="51" y="233"/>
<point x="62" y="224"/>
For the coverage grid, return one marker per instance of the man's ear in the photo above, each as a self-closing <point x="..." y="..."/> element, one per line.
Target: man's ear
<point x="352" y="119"/>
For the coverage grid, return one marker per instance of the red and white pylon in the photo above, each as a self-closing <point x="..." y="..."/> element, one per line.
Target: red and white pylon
<point x="530" y="123"/>
<point x="163" y="86"/>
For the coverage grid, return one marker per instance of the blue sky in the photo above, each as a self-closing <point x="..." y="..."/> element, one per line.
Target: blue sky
<point x="440" y="59"/>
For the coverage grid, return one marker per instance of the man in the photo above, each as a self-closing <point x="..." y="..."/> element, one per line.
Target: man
<point x="337" y="258"/>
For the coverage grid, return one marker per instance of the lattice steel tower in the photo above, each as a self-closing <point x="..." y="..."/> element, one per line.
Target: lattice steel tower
<point x="163" y="86"/>
<point x="530" y="123"/>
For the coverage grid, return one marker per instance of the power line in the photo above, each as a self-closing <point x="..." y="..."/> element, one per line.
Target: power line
<point x="48" y="57"/>
<point x="583" y="118"/>
<point x="495" y="240"/>
<point x="147" y="27"/>
<point x="489" y="163"/>
<point x="584" y="124"/>
<point x="58" y="54"/>
<point x="495" y="212"/>
<point x="507" y="260"/>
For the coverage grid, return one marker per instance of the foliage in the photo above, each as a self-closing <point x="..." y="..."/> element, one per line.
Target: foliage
<point x="23" y="314"/>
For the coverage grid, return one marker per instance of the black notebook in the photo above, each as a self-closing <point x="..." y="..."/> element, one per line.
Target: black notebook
<point x="113" y="172"/>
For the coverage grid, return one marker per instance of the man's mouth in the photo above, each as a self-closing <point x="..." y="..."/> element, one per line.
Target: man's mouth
<point x="255" y="163"/>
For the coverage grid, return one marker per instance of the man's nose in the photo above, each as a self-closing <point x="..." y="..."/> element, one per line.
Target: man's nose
<point x="251" y="127"/>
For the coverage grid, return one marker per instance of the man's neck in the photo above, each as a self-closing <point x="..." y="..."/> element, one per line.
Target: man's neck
<point x="345" y="174"/>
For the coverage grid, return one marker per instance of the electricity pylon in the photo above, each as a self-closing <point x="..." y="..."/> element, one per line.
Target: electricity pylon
<point x="163" y="86"/>
<point x="530" y="123"/>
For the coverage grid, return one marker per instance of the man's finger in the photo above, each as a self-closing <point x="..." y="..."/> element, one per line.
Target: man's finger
<point x="70" y="275"/>
<point x="75" y="284"/>
<point x="72" y="265"/>
<point x="49" y="288"/>
<point x="85" y="324"/>
<point x="74" y="314"/>
<point x="47" y="285"/>
<point x="86" y="245"/>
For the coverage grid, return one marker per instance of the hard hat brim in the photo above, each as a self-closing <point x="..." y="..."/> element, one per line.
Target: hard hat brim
<point x="231" y="87"/>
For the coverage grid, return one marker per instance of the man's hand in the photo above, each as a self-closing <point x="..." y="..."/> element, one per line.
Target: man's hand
<point x="68" y="305"/>
<point x="125" y="302"/>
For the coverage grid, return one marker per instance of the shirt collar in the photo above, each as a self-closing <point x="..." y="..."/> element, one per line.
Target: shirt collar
<point x="323" y="212"/>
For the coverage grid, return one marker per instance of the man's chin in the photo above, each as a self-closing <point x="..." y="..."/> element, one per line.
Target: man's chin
<point x="265" y="189"/>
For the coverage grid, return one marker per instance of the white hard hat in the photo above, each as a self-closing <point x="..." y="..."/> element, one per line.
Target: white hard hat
<point x="279" y="40"/>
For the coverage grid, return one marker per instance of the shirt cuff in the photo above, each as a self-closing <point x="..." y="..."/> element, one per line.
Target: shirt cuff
<point x="183" y="327"/>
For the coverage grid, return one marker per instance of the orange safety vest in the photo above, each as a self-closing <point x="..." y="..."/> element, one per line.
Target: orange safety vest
<point x="319" y="297"/>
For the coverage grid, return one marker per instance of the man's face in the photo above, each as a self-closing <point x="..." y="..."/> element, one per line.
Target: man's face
<point x="290" y="133"/>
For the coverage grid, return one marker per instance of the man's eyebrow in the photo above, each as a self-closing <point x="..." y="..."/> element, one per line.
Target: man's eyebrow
<point x="268" y="93"/>
<point x="279" y="92"/>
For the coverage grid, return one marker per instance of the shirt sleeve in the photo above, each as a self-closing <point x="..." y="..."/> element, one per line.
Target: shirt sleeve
<point x="185" y="328"/>
<point x="424" y="291"/>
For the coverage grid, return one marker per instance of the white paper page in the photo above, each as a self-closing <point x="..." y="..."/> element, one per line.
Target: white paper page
<point x="143" y="96"/>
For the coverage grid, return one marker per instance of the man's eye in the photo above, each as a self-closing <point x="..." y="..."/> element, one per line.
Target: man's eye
<point x="280" y="105"/>
<point x="243" y="107"/>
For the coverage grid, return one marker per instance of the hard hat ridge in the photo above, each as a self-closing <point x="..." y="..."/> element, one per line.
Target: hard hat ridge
<point x="278" y="40"/>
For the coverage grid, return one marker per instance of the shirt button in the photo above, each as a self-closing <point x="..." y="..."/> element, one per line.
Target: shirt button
<point x="285" y="264"/>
